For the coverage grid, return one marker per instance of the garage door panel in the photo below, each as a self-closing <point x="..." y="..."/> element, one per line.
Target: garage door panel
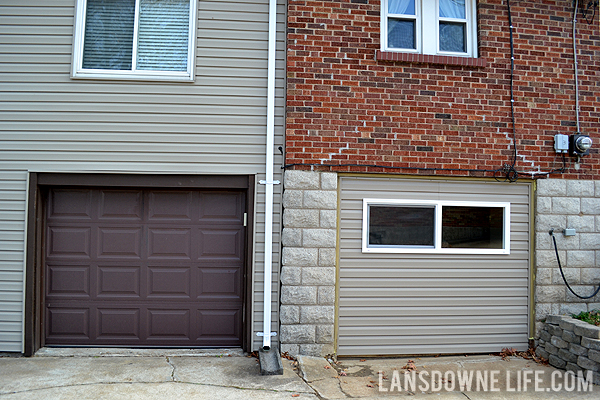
<point x="169" y="282"/>
<point x="406" y="303"/>
<point x="219" y="323"/>
<point x="170" y="205"/>
<point x="68" y="323"/>
<point x="169" y="323"/>
<point x="70" y="204"/>
<point x="117" y="323"/>
<point x="218" y="207"/>
<point x="141" y="268"/>
<point x="220" y="283"/>
<point x="220" y="244"/>
<point x="120" y="205"/>
<point x="170" y="243"/>
<point x="118" y="281"/>
<point x="119" y="243"/>
<point x="71" y="281"/>
<point x="69" y="242"/>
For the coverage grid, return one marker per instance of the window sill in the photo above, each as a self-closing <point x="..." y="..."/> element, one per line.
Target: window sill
<point x="132" y="76"/>
<point x="394" y="56"/>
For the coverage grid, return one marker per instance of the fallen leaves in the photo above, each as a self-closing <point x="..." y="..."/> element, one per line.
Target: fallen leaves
<point x="506" y="353"/>
<point x="410" y="366"/>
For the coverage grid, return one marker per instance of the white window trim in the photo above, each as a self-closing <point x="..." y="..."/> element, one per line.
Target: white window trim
<point x="430" y="23"/>
<point x="437" y="247"/>
<point x="78" y="72"/>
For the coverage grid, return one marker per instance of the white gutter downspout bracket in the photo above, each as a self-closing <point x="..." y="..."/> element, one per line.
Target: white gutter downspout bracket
<point x="268" y="182"/>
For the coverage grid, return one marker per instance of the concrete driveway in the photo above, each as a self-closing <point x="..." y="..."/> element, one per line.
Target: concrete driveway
<point x="223" y="374"/>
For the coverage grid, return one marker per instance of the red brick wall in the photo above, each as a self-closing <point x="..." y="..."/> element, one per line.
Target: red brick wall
<point x="344" y="106"/>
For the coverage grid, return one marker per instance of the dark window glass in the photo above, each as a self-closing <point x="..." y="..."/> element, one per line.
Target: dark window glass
<point x="453" y="37"/>
<point x="401" y="226"/>
<point x="472" y="227"/>
<point x="108" y="42"/>
<point x="401" y="33"/>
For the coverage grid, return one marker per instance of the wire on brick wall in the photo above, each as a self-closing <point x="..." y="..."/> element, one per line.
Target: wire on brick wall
<point x="495" y="172"/>
<point x="509" y="171"/>
<point x="593" y="5"/>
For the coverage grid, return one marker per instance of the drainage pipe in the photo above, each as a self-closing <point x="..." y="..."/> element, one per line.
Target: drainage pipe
<point x="268" y="267"/>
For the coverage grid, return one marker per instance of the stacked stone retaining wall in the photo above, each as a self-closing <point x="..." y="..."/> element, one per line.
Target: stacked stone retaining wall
<point x="570" y="344"/>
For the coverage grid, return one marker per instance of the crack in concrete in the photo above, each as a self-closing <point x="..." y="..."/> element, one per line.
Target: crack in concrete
<point x="157" y="383"/>
<point x="173" y="369"/>
<point x="342" y="389"/>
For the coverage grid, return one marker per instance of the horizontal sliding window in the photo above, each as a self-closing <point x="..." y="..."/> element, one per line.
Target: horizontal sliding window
<point x="408" y="226"/>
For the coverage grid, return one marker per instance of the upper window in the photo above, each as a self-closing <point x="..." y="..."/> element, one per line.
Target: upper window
<point x="444" y="27"/>
<point x="134" y="39"/>
<point x="408" y="226"/>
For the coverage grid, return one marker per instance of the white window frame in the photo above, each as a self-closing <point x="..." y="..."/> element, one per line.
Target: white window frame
<point x="78" y="72"/>
<point x="437" y="247"/>
<point x="428" y="21"/>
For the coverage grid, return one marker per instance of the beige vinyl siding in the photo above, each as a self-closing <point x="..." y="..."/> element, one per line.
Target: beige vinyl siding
<point x="392" y="304"/>
<point x="51" y="123"/>
<point x="13" y="185"/>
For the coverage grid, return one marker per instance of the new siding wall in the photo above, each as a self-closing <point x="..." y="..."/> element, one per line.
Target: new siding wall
<point x="407" y="303"/>
<point x="51" y="123"/>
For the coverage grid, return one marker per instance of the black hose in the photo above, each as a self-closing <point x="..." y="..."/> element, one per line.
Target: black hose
<point x="562" y="273"/>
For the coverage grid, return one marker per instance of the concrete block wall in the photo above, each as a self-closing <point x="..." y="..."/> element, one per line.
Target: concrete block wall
<point x="308" y="274"/>
<point x="564" y="204"/>
<point x="570" y="344"/>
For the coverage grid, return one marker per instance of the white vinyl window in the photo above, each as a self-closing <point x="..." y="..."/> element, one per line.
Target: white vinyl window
<point x="443" y="27"/>
<point x="445" y="227"/>
<point x="134" y="39"/>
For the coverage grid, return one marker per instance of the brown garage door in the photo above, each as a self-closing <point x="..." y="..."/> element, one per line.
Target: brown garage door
<point x="144" y="267"/>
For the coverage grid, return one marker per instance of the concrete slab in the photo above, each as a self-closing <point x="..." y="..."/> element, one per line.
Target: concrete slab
<point x="239" y="372"/>
<point x="31" y="374"/>
<point x="152" y="391"/>
<point x="146" y="377"/>
<point x="453" y="377"/>
<point x="120" y="375"/>
<point x="315" y="368"/>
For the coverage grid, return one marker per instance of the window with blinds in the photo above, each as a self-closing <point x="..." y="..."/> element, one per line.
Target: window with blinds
<point x="135" y="39"/>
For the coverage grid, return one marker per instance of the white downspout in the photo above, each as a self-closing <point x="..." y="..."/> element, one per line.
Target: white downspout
<point x="268" y="268"/>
